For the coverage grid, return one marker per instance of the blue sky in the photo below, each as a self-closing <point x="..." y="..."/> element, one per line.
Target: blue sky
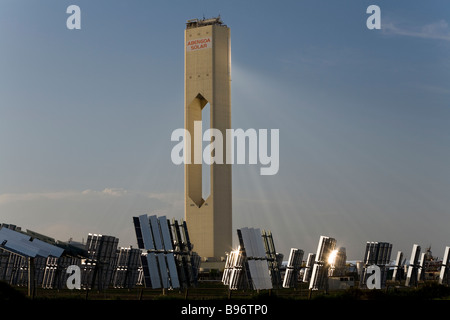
<point x="86" y="118"/>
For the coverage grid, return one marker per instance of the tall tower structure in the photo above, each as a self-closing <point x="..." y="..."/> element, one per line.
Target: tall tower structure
<point x="207" y="80"/>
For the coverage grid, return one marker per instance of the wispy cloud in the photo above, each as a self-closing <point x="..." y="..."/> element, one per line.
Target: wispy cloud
<point x="439" y="30"/>
<point x="115" y="192"/>
<point x="166" y="197"/>
<point x="75" y="213"/>
<point x="20" y="197"/>
<point x="58" y="195"/>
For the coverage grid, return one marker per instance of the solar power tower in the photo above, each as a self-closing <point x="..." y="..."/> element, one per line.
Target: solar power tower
<point x="251" y="266"/>
<point x="413" y="268"/>
<point x="168" y="262"/>
<point x="319" y="276"/>
<point x="444" y="277"/>
<point x="379" y="254"/>
<point x="293" y="268"/>
<point x="208" y="81"/>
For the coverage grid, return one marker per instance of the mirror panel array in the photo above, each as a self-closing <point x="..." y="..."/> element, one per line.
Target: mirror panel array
<point x="272" y="259"/>
<point x="26" y="246"/>
<point x="101" y="263"/>
<point x="398" y="272"/>
<point x="255" y="265"/>
<point x="234" y="275"/>
<point x="97" y="269"/>
<point x="309" y="267"/>
<point x="258" y="274"/>
<point x="293" y="268"/>
<point x="168" y="260"/>
<point x="16" y="250"/>
<point x="55" y="275"/>
<point x="421" y="269"/>
<point x="412" y="276"/>
<point x="319" y="275"/>
<point x="127" y="268"/>
<point x="338" y="266"/>
<point x="377" y="253"/>
<point x="444" y="277"/>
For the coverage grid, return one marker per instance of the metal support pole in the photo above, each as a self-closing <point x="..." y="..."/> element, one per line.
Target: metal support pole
<point x="31" y="278"/>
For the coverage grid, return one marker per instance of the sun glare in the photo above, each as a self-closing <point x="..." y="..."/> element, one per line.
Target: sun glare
<point x="332" y="257"/>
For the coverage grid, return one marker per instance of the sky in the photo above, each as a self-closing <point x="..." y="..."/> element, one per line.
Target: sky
<point x="86" y="118"/>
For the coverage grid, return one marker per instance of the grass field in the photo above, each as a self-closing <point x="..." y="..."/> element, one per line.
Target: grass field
<point x="214" y="290"/>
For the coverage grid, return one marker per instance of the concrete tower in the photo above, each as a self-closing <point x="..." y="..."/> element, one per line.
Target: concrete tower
<point x="207" y="80"/>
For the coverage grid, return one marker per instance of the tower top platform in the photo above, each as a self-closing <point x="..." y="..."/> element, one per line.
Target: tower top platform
<point x="196" y="23"/>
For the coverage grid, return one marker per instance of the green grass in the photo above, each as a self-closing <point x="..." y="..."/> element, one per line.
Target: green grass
<point x="212" y="290"/>
<point x="428" y="291"/>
